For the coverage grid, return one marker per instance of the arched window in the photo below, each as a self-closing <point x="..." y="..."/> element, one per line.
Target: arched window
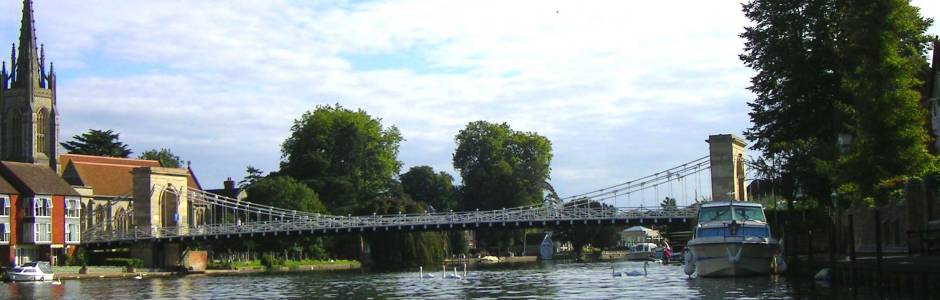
<point x="42" y="130"/>
<point x="13" y="134"/>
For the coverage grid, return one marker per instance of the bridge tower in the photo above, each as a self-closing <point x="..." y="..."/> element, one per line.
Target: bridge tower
<point x="726" y="154"/>
<point x="160" y="202"/>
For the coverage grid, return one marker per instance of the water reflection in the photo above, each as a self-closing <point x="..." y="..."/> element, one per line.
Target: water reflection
<point x="561" y="280"/>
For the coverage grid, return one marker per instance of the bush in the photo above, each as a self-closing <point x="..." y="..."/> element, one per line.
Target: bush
<point x="269" y="261"/>
<point x="124" y="262"/>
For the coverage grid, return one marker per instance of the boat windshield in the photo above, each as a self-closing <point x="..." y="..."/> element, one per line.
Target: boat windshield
<point x="727" y="213"/>
<point x="717" y="213"/>
<point x="747" y="213"/>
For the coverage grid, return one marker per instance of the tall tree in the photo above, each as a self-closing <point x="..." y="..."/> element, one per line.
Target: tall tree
<point x="433" y="189"/>
<point x="98" y="142"/>
<point x="799" y="109"/>
<point x="346" y="156"/>
<point x="500" y="168"/>
<point x="884" y="44"/>
<point x="164" y="156"/>
<point x="252" y="175"/>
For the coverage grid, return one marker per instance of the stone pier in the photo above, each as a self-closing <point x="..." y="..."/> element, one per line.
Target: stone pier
<point x="726" y="153"/>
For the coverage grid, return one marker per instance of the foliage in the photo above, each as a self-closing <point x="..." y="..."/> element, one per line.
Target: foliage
<point x="500" y="168"/>
<point x="252" y="175"/>
<point x="346" y="156"/>
<point x="828" y="69"/>
<point x="433" y="189"/>
<point x="669" y="203"/>
<point x="164" y="156"/>
<point x="97" y="142"/>
<point x="884" y="45"/>
<point x="269" y="261"/>
<point x="285" y="192"/>
<point x="124" y="262"/>
<point x="580" y="235"/>
<point x="403" y="250"/>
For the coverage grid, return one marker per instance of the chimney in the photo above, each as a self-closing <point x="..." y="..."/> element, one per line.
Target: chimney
<point x="229" y="184"/>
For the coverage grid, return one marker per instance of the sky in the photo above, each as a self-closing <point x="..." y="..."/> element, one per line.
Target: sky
<point x="623" y="89"/>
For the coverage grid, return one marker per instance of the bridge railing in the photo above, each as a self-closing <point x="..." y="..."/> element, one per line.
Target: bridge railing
<point x="308" y="222"/>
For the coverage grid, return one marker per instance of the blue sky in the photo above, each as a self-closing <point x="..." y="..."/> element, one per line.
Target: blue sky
<point x="622" y="88"/>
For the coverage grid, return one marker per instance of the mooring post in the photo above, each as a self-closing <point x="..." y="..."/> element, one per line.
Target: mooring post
<point x="852" y="255"/>
<point x="878" y="256"/>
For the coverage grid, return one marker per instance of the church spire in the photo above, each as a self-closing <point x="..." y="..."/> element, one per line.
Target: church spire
<point x="27" y="64"/>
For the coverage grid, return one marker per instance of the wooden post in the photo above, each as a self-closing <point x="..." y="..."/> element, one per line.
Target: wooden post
<point x="878" y="257"/>
<point x="852" y="255"/>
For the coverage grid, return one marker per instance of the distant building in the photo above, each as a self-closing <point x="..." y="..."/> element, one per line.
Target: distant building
<point x="230" y="190"/>
<point x="41" y="213"/>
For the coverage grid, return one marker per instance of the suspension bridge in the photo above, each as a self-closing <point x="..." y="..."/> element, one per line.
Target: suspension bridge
<point x="190" y="214"/>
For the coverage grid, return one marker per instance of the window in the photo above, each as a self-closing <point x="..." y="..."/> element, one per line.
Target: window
<point x="42" y="207"/>
<point x="5" y="206"/>
<point x="42" y="125"/>
<point x="72" y="232"/>
<point x="42" y="232"/>
<point x="4" y="232"/>
<point x="73" y="208"/>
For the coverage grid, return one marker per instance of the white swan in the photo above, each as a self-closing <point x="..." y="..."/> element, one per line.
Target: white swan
<point x="454" y="276"/>
<point x="138" y="277"/>
<point x="630" y="273"/>
<point x="422" y="275"/>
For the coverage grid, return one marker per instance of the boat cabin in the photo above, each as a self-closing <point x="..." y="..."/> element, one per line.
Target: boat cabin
<point x="732" y="218"/>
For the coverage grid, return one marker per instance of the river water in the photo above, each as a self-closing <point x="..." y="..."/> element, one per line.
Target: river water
<point x="560" y="280"/>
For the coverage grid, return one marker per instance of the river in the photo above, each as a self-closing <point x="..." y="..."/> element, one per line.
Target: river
<point x="560" y="280"/>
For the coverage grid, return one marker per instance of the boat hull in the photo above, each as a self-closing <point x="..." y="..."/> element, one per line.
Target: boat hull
<point x="733" y="256"/>
<point x="29" y="277"/>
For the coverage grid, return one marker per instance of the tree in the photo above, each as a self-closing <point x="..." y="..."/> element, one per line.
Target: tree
<point x="252" y="175"/>
<point x="164" y="156"/>
<point x="402" y="249"/>
<point x="580" y="235"/>
<point x="885" y="45"/>
<point x="285" y="192"/>
<point x="346" y="156"/>
<point x="799" y="109"/>
<point x="434" y="189"/>
<point x="829" y="69"/>
<point x="500" y="168"/>
<point x="97" y="142"/>
<point x="669" y="204"/>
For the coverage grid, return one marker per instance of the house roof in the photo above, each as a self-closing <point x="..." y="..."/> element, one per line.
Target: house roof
<point x="35" y="179"/>
<point x="108" y="176"/>
<point x="6" y="187"/>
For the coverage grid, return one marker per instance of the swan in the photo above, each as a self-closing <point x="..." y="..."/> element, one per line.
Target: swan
<point x="422" y="275"/>
<point x="630" y="273"/>
<point x="138" y="277"/>
<point x="454" y="276"/>
<point x="57" y="281"/>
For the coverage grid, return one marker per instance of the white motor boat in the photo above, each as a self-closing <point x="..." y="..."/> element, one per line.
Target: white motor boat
<point x="32" y="271"/>
<point x="642" y="251"/>
<point x="732" y="238"/>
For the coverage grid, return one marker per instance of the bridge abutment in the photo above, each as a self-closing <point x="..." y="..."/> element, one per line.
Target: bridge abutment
<point x="726" y="155"/>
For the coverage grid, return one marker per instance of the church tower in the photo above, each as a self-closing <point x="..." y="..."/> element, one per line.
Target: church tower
<point x="29" y="119"/>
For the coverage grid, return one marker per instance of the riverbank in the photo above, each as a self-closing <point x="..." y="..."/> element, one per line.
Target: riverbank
<point x="103" y="272"/>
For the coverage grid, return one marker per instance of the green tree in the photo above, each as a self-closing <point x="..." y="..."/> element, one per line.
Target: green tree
<point x="799" y="107"/>
<point x="580" y="235"/>
<point x="346" y="156"/>
<point x="164" y="156"/>
<point x="97" y="142"/>
<point x="402" y="249"/>
<point x="884" y="44"/>
<point x="836" y="68"/>
<point x="252" y="175"/>
<point x="500" y="168"/>
<point x="669" y="203"/>
<point x="285" y="192"/>
<point x="433" y="189"/>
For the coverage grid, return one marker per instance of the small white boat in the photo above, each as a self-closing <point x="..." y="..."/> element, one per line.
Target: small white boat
<point x="32" y="271"/>
<point x="642" y="251"/>
<point x="732" y="238"/>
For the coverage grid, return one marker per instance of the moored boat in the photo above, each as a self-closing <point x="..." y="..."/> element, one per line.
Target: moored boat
<point x="732" y="238"/>
<point x="32" y="271"/>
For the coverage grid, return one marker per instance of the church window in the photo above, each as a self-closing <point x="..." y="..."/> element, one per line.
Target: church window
<point x="13" y="134"/>
<point x="42" y="128"/>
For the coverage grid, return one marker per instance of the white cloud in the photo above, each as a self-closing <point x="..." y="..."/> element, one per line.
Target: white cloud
<point x="622" y="88"/>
